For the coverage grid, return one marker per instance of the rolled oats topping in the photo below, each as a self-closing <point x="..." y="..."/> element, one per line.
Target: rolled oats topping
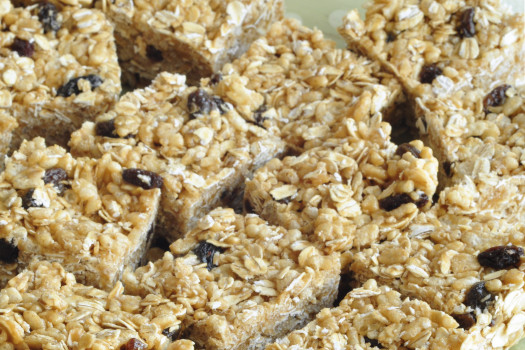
<point x="76" y="211"/>
<point x="59" y="69"/>
<point x="184" y="139"/>
<point x="45" y="306"/>
<point x="241" y="280"/>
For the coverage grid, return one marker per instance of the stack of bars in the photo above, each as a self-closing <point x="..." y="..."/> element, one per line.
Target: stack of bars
<point x="249" y="191"/>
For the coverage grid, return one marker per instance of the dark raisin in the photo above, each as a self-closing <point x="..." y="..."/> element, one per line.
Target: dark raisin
<point x="56" y="176"/>
<point x="215" y="78"/>
<point x="8" y="251"/>
<point x="258" y="117"/>
<point x="220" y="104"/>
<point x="373" y="343"/>
<point x="47" y="15"/>
<point x="142" y="178"/>
<point x="390" y="37"/>
<point x="466" y="321"/>
<point x="134" y="344"/>
<point x="422" y="201"/>
<point x="153" y="53"/>
<point x="172" y="333"/>
<point x="496" y="97"/>
<point x="406" y="147"/>
<point x="447" y="168"/>
<point x="501" y="257"/>
<point x="71" y="87"/>
<point x="467" y="27"/>
<point x="29" y="202"/>
<point x="23" y="47"/>
<point x="199" y="102"/>
<point x="429" y="73"/>
<point x="394" y="201"/>
<point x="106" y="128"/>
<point x="478" y="296"/>
<point x="205" y="252"/>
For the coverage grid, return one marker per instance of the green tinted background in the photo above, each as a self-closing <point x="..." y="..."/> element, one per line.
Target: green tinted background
<point x="327" y="14"/>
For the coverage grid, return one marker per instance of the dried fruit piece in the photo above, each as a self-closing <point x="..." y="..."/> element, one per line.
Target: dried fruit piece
<point x="501" y="257"/>
<point x="200" y="102"/>
<point x="406" y="147"/>
<point x="71" y="87"/>
<point x="172" y="333"/>
<point x="478" y="296"/>
<point x="496" y="97"/>
<point x="142" y="178"/>
<point x="466" y="321"/>
<point x="373" y="343"/>
<point x="394" y="201"/>
<point x="47" y="15"/>
<point x="106" y="128"/>
<point x="133" y="344"/>
<point x="422" y="201"/>
<point x="429" y="73"/>
<point x="29" y="202"/>
<point x="154" y="54"/>
<point x="467" y="27"/>
<point x="8" y="251"/>
<point x="205" y="252"/>
<point x="258" y="117"/>
<point x="23" y="47"/>
<point x="220" y="104"/>
<point x="55" y="176"/>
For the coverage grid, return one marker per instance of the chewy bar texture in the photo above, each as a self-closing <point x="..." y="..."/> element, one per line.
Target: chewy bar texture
<point x="192" y="37"/>
<point x="45" y="308"/>
<point x="468" y="266"/>
<point x="243" y="283"/>
<point x="351" y="192"/>
<point x="59" y="68"/>
<point x="372" y="317"/>
<point x="307" y="84"/>
<point x="199" y="144"/>
<point x="78" y="212"/>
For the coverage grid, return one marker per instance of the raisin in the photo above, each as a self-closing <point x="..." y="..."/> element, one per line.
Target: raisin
<point x="153" y="53"/>
<point x="501" y="257"/>
<point x="220" y="104"/>
<point x="394" y="201"/>
<point x="466" y="321"/>
<point x="478" y="296"/>
<point x="467" y="27"/>
<point x="373" y="343"/>
<point x="23" y="47"/>
<point x="258" y="117"/>
<point x="29" y="202"/>
<point x="56" y="176"/>
<point x="133" y="344"/>
<point x="422" y="201"/>
<point x="496" y="97"/>
<point x="8" y="251"/>
<point x="406" y="147"/>
<point x="447" y="167"/>
<point x="215" y="78"/>
<point x="71" y="87"/>
<point x="142" y="178"/>
<point x="172" y="333"/>
<point x="199" y="102"/>
<point x="47" y="15"/>
<point x="205" y="252"/>
<point x="106" y="128"/>
<point x="429" y="73"/>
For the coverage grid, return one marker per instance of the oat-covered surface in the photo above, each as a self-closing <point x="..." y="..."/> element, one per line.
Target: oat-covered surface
<point x="58" y="68"/>
<point x="308" y="84"/>
<point x="240" y="279"/>
<point x="192" y="138"/>
<point x="45" y="306"/>
<point x="75" y="211"/>
<point x="377" y="316"/>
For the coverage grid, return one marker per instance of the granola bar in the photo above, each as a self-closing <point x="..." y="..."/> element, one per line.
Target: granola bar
<point x="195" y="37"/>
<point x="307" y="84"/>
<point x="372" y="317"/>
<point x="352" y="191"/>
<point x="191" y="137"/>
<point x="243" y="283"/>
<point x="89" y="215"/>
<point x="45" y="307"/>
<point x="59" y="68"/>
<point x="466" y="265"/>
